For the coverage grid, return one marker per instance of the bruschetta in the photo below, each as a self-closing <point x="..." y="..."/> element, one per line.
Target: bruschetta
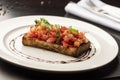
<point x="61" y="39"/>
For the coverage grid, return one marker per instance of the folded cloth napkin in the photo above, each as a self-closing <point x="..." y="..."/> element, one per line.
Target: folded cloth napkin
<point x="81" y="9"/>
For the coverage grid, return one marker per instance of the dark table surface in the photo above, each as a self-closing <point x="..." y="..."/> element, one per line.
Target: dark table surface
<point x="16" y="8"/>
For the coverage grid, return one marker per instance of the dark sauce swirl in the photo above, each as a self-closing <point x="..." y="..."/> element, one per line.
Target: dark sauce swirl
<point x="85" y="56"/>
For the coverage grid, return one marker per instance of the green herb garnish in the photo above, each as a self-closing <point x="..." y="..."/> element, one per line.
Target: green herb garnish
<point x="58" y="34"/>
<point x="73" y="30"/>
<point x="44" y="22"/>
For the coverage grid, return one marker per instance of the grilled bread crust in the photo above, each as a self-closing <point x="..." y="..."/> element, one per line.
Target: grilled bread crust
<point x="71" y="51"/>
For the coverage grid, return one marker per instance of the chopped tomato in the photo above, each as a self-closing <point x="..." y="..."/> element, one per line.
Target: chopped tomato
<point x="63" y="28"/>
<point x="80" y="35"/>
<point x="68" y="37"/>
<point x="32" y="34"/>
<point x="76" y="44"/>
<point x="65" y="39"/>
<point x="33" y="29"/>
<point x="54" y="28"/>
<point x="51" y="40"/>
<point x="51" y="34"/>
<point x="65" y="44"/>
<point x="44" y="37"/>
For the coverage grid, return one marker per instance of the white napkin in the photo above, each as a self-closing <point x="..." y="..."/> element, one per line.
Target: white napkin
<point x="81" y="9"/>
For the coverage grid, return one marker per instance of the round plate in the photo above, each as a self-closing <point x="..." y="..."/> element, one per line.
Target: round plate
<point x="12" y="50"/>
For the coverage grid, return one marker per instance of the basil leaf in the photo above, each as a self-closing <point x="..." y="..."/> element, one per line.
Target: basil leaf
<point x="73" y="30"/>
<point x="44" y="22"/>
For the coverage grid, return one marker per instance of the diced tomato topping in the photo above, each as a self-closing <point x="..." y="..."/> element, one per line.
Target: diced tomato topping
<point x="65" y="44"/>
<point x="32" y="29"/>
<point x="32" y="35"/>
<point x="51" y="40"/>
<point x="54" y="28"/>
<point x="44" y="37"/>
<point x="76" y="44"/>
<point x="66" y="37"/>
<point x="51" y="34"/>
<point x="63" y="28"/>
<point x="80" y="35"/>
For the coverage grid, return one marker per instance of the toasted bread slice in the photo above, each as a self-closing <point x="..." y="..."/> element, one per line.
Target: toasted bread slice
<point x="71" y="51"/>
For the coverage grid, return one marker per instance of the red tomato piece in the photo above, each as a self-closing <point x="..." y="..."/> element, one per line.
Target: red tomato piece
<point x="51" y="40"/>
<point x="65" y="44"/>
<point x="63" y="28"/>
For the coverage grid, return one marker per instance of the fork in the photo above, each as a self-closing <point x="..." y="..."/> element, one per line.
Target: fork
<point x="101" y="11"/>
<point x="94" y="7"/>
<point x="106" y="7"/>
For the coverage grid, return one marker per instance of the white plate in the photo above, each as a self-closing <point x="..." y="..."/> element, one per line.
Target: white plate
<point x="12" y="50"/>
